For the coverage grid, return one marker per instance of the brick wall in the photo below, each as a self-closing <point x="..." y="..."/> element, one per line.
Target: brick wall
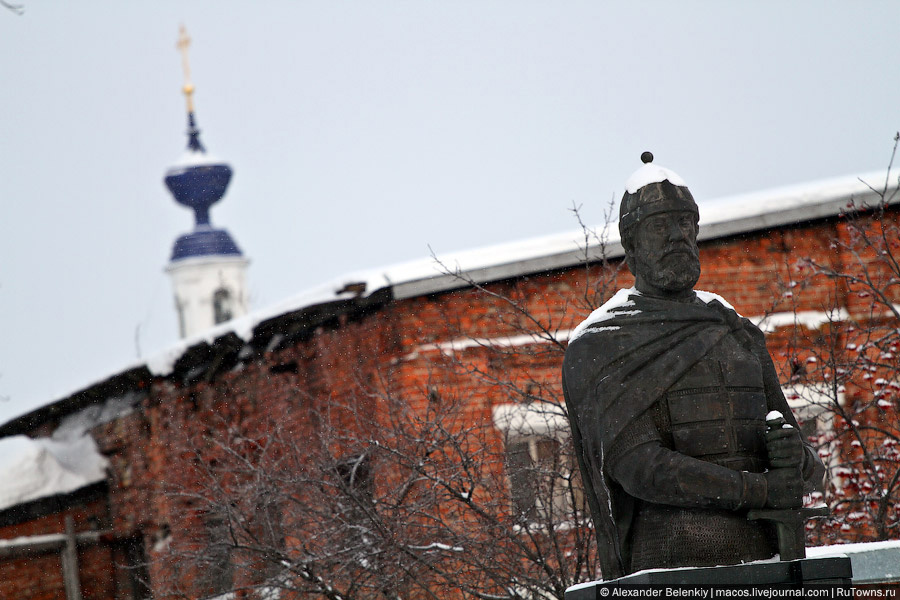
<point x="466" y="344"/>
<point x="38" y="574"/>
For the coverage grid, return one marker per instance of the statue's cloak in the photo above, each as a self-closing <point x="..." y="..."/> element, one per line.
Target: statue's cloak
<point x="619" y="362"/>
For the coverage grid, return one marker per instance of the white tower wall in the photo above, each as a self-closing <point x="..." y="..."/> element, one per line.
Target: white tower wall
<point x="208" y="290"/>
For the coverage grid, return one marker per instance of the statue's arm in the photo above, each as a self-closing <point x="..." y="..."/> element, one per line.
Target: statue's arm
<point x="639" y="460"/>
<point x="811" y="468"/>
<point x="645" y="468"/>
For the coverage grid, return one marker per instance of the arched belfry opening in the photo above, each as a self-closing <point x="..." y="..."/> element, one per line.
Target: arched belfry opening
<point x="223" y="309"/>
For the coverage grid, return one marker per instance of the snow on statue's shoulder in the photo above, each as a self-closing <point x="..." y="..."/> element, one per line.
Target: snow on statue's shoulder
<point x="708" y="297"/>
<point x="620" y="300"/>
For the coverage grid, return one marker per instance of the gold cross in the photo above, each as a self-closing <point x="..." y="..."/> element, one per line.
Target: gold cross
<point x="183" y="42"/>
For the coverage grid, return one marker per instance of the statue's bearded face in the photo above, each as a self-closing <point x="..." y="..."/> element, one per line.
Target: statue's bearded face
<point x="664" y="257"/>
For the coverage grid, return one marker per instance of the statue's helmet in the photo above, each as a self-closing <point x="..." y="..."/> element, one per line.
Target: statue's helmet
<point x="650" y="190"/>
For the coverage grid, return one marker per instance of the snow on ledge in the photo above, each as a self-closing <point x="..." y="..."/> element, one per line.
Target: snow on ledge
<point x="811" y="552"/>
<point x="810" y="319"/>
<point x="532" y="419"/>
<point x="839" y="549"/>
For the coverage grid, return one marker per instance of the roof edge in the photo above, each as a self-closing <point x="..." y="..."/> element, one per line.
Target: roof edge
<point x="132" y="379"/>
<point x="792" y="205"/>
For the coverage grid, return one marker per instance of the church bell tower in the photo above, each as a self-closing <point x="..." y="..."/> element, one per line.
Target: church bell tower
<point x="207" y="268"/>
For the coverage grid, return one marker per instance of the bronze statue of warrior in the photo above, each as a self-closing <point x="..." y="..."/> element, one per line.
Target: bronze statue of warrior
<point x="668" y="390"/>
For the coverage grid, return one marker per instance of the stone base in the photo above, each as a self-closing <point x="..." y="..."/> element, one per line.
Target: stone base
<point x="795" y="573"/>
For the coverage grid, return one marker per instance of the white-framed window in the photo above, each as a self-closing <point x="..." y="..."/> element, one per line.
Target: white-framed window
<point x="814" y="407"/>
<point x="223" y="305"/>
<point x="543" y="476"/>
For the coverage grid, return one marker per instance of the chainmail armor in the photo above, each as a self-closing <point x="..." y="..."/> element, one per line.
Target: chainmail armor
<point x="714" y="537"/>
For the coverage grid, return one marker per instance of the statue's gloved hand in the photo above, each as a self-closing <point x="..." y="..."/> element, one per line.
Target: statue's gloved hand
<point x="784" y="447"/>
<point x="784" y="488"/>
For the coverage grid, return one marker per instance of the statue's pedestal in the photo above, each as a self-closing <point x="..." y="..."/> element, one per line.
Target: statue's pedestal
<point x="832" y="571"/>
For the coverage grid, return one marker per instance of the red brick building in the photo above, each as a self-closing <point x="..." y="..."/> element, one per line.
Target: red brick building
<point x="472" y="345"/>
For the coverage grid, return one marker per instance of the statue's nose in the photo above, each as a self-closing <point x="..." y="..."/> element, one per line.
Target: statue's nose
<point x="676" y="233"/>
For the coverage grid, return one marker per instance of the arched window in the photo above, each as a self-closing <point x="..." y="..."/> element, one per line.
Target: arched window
<point x="182" y="330"/>
<point x="223" y="308"/>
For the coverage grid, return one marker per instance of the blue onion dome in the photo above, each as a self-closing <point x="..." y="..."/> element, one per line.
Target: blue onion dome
<point x="197" y="181"/>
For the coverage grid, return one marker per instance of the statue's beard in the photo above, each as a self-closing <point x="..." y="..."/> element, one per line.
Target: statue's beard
<point x="674" y="270"/>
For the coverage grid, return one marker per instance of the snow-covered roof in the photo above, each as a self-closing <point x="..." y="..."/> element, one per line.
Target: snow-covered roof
<point x="68" y="460"/>
<point x="718" y="218"/>
<point x="41" y="467"/>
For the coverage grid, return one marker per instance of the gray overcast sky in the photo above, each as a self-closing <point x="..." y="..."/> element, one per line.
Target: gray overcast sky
<point x="362" y="132"/>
